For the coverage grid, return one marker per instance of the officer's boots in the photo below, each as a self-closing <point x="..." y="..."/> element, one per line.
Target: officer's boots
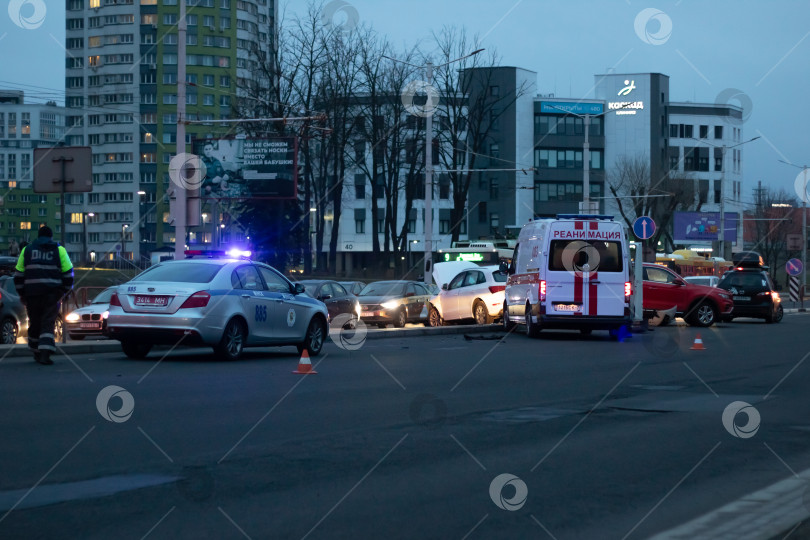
<point x="43" y="357"/>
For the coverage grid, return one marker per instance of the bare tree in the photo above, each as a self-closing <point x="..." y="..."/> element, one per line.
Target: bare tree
<point x="768" y="225"/>
<point x="467" y="113"/>
<point x="637" y="193"/>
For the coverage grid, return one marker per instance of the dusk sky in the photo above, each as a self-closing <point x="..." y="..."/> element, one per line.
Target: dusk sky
<point x="761" y="49"/>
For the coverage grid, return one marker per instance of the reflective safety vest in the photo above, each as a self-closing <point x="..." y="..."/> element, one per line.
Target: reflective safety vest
<point x="43" y="267"/>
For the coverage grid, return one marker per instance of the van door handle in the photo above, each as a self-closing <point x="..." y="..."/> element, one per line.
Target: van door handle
<point x="597" y="281"/>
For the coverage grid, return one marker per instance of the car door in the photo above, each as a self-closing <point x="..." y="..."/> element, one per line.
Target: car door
<point x="422" y="298"/>
<point x="257" y="307"/>
<point x="344" y="300"/>
<point x="450" y="297"/>
<point x="292" y="314"/>
<point x="660" y="289"/>
<point x="468" y="292"/>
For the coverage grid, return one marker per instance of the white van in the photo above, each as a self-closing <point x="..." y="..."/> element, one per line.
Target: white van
<point x="571" y="272"/>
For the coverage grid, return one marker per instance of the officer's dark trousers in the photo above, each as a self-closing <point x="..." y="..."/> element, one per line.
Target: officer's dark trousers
<point x="42" y="312"/>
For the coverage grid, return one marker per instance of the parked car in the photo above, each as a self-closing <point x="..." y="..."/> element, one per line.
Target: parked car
<point x="706" y="281"/>
<point x="225" y="303"/>
<point x="337" y="299"/>
<point x="393" y="302"/>
<point x="697" y="304"/>
<point x="13" y="315"/>
<point x="354" y="287"/>
<point x="472" y="291"/>
<point x="753" y="293"/>
<point x="90" y="320"/>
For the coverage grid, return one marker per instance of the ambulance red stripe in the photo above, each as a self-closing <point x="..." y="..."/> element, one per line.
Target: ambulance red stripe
<point x="593" y="294"/>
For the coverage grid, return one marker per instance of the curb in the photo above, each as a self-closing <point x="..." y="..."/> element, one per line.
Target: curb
<point x="101" y="347"/>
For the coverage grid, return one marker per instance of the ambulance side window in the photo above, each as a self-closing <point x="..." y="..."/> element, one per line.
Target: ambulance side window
<point x="513" y="263"/>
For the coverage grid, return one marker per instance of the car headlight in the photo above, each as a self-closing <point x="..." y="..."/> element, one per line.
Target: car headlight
<point x="73" y="317"/>
<point x="357" y="308"/>
<point x="105" y="314"/>
<point x="391" y="304"/>
<point x="725" y="296"/>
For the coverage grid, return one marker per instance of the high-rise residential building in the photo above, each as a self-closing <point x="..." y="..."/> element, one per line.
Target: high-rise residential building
<point x="121" y="87"/>
<point x="23" y="127"/>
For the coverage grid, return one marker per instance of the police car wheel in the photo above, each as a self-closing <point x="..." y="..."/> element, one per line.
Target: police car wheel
<point x="532" y="328"/>
<point x="136" y="349"/>
<point x="8" y="332"/>
<point x="316" y="333"/>
<point x="233" y="340"/>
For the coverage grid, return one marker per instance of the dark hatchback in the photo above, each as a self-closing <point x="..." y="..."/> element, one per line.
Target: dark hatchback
<point x="393" y="302"/>
<point x="754" y="294"/>
<point x="337" y="299"/>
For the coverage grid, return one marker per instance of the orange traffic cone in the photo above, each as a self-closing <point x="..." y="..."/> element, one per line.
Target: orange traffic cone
<point x="698" y="344"/>
<point x="304" y="365"/>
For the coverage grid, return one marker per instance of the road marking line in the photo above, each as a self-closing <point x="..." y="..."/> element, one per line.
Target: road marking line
<point x="761" y="514"/>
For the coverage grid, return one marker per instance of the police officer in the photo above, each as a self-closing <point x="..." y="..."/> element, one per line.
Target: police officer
<point x="43" y="275"/>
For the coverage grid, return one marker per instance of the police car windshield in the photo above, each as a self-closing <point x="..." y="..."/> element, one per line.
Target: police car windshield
<point x="573" y="255"/>
<point x="186" y="272"/>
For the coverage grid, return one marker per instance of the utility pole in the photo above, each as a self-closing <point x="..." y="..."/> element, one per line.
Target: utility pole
<point x="428" y="185"/>
<point x="181" y="217"/>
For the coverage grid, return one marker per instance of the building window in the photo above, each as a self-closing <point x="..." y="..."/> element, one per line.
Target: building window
<point x="704" y="132"/>
<point x="482" y="212"/>
<point x="718" y="132"/>
<point x="360" y="220"/>
<point x="493" y="189"/>
<point x="359" y="186"/>
<point x="673" y="131"/>
<point x="25" y="225"/>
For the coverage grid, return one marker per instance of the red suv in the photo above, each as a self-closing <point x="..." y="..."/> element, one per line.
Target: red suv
<point x="697" y="304"/>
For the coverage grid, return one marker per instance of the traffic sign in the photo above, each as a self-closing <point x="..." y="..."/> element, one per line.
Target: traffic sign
<point x="644" y="227"/>
<point x="794" y="267"/>
<point x="794" y="242"/>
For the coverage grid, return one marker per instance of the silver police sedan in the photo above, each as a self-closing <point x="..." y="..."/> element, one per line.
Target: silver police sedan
<point x="225" y="303"/>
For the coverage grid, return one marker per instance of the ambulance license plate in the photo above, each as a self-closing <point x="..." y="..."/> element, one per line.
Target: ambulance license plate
<point x="568" y="307"/>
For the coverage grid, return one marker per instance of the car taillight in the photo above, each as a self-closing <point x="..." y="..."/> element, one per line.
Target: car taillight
<point x="543" y="290"/>
<point x="775" y="295"/>
<point x="114" y="301"/>
<point x="628" y="289"/>
<point x="197" y="300"/>
<point x="496" y="288"/>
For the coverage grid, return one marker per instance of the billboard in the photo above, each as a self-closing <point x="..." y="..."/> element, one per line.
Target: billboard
<point x="72" y="162"/>
<point x="577" y="107"/>
<point x="264" y="168"/>
<point x="703" y="226"/>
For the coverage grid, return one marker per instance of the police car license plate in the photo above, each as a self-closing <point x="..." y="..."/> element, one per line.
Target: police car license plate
<point x="151" y="300"/>
<point x="568" y="307"/>
<point x="742" y="298"/>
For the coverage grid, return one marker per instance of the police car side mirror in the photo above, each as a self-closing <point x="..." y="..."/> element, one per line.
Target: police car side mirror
<point x="298" y="289"/>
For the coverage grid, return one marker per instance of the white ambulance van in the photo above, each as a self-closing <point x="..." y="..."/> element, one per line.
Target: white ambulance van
<point x="572" y="272"/>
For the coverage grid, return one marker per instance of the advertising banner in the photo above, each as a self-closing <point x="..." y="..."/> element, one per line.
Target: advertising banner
<point x="264" y="168"/>
<point x="703" y="226"/>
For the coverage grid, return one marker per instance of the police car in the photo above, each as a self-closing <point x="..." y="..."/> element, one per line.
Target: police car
<point x="221" y="301"/>
<point x="572" y="272"/>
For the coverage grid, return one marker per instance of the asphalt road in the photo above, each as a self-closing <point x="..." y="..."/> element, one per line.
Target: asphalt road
<point x="403" y="438"/>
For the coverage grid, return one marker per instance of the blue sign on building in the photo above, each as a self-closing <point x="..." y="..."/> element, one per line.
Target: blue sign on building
<point x="572" y="107"/>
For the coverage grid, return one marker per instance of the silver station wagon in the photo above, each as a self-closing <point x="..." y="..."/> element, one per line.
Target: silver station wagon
<point x="227" y="304"/>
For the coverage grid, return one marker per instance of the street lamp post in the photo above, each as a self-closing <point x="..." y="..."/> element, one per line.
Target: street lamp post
<point x="724" y="147"/>
<point x="586" y="206"/>
<point x="429" y="67"/>
<point x="124" y="228"/>
<point x="85" y="215"/>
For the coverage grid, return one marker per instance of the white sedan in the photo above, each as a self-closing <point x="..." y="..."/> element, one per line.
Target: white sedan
<point x="474" y="292"/>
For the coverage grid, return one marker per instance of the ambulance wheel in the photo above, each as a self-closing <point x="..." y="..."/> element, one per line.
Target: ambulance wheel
<point x="532" y="328"/>
<point x="508" y="325"/>
<point x="480" y="313"/>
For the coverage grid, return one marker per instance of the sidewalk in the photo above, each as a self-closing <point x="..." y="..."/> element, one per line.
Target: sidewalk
<point x="110" y="346"/>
